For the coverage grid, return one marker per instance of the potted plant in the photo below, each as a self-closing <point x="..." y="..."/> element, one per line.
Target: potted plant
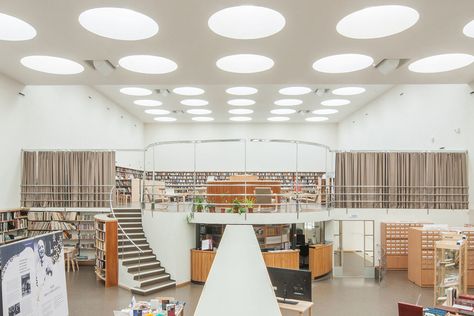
<point x="200" y="204"/>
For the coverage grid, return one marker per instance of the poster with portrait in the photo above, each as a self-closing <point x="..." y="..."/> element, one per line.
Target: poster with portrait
<point x="33" y="279"/>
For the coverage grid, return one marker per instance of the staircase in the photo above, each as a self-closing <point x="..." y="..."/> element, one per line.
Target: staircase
<point x="148" y="274"/>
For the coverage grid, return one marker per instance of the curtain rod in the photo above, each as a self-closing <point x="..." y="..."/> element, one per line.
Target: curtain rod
<point x="399" y="151"/>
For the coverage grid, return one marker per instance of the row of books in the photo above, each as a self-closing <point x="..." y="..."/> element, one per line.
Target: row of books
<point x="7" y="216"/>
<point x="51" y="225"/>
<point x="13" y="224"/>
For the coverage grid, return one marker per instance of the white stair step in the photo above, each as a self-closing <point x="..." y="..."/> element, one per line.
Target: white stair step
<point x="150" y="289"/>
<point x="144" y="265"/>
<point x="151" y="271"/>
<point x="128" y="218"/>
<point x="144" y="252"/>
<point x="136" y="258"/>
<point x="133" y="246"/>
<point x="132" y="228"/>
<point x="154" y="279"/>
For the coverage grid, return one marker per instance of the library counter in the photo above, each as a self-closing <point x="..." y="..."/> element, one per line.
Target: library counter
<point x="320" y="260"/>
<point x="201" y="262"/>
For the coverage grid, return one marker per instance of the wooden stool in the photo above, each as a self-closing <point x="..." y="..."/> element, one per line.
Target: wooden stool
<point x="70" y="259"/>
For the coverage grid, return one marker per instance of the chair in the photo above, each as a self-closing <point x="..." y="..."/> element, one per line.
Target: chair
<point x="70" y="258"/>
<point x="264" y="197"/>
<point x="122" y="196"/>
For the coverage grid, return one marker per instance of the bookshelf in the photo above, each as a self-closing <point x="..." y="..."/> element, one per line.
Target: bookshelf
<point x="450" y="269"/>
<point x="268" y="236"/>
<point x="106" y="247"/>
<point x="13" y="225"/>
<point x="78" y="230"/>
<point x="394" y="240"/>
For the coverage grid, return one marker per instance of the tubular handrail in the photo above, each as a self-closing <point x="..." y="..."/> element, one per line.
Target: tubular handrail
<point x="118" y="223"/>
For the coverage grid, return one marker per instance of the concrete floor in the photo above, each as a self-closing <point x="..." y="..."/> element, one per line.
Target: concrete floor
<point x="339" y="296"/>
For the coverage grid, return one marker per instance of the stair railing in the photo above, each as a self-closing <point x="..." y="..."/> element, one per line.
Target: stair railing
<point x="124" y="234"/>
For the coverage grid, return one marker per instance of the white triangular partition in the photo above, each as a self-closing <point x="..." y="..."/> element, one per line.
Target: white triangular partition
<point x="238" y="283"/>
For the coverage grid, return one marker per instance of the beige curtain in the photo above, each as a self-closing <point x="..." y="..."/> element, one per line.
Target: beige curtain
<point x="67" y="179"/>
<point x="401" y="180"/>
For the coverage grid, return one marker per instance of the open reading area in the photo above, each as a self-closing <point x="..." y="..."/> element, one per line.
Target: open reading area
<point x="209" y="158"/>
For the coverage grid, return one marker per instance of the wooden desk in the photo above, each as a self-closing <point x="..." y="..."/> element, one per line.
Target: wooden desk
<point x="233" y="189"/>
<point x="201" y="262"/>
<point x="320" y="259"/>
<point x="300" y="308"/>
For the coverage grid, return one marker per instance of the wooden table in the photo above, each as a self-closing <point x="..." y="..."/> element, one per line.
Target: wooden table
<point x="301" y="308"/>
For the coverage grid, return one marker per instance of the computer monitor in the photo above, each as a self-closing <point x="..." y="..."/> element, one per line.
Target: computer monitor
<point x="405" y="309"/>
<point x="291" y="284"/>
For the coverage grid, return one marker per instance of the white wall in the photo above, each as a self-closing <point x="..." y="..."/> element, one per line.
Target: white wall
<point x="56" y="117"/>
<point x="231" y="156"/>
<point x="414" y="117"/>
<point x="171" y="238"/>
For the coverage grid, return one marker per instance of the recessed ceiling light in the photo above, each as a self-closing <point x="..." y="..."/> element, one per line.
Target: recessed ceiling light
<point x="278" y="119"/>
<point x="198" y="111"/>
<point x="52" y="65"/>
<point x="343" y="63"/>
<point x="14" y="29"/>
<point x="335" y="102"/>
<point x="441" y="63"/>
<point x="241" y="90"/>
<point x="377" y="22"/>
<point x="148" y="102"/>
<point x="245" y="63"/>
<point x="468" y="30"/>
<point x="240" y="111"/>
<point x="316" y="119"/>
<point x="246" y="22"/>
<point x="202" y="119"/>
<point x="139" y="92"/>
<point x="288" y="102"/>
<point x="348" y="91"/>
<point x="240" y="118"/>
<point x="188" y="91"/>
<point x="118" y="23"/>
<point x="147" y="64"/>
<point x="283" y="111"/>
<point x="325" y="111"/>
<point x="165" y="119"/>
<point x="294" y="91"/>
<point x="157" y="112"/>
<point x="194" y="102"/>
<point x="241" y="102"/>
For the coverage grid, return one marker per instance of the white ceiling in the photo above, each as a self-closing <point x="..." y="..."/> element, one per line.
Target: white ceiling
<point x="309" y="34"/>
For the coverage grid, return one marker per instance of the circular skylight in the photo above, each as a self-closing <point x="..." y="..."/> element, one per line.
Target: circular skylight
<point x="241" y="102"/>
<point x="288" y="102"/>
<point x="202" y="119"/>
<point x="241" y="91"/>
<point x="377" y="22"/>
<point x="198" y="111"/>
<point x="148" y="102"/>
<point x="441" y="63"/>
<point x="194" y="102"/>
<point x="188" y="91"/>
<point x="240" y="111"/>
<point x="118" y="23"/>
<point x="240" y="118"/>
<point x="165" y="119"/>
<point x="278" y="119"/>
<point x="316" y="119"/>
<point x="14" y="29"/>
<point x="335" y="102"/>
<point x="52" y="65"/>
<point x="325" y="111"/>
<point x="245" y="63"/>
<point x="283" y="111"/>
<point x="157" y="112"/>
<point x="139" y="92"/>
<point x="294" y="90"/>
<point x="348" y="91"/>
<point x="469" y="29"/>
<point x="147" y="64"/>
<point x="246" y="22"/>
<point x="343" y="63"/>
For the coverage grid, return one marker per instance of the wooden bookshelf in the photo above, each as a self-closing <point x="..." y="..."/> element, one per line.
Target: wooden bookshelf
<point x="394" y="240"/>
<point x="421" y="254"/>
<point x="106" y="244"/>
<point x="13" y="225"/>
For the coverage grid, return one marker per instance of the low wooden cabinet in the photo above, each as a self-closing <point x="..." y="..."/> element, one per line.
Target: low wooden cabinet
<point x="201" y="262"/>
<point x="320" y="260"/>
